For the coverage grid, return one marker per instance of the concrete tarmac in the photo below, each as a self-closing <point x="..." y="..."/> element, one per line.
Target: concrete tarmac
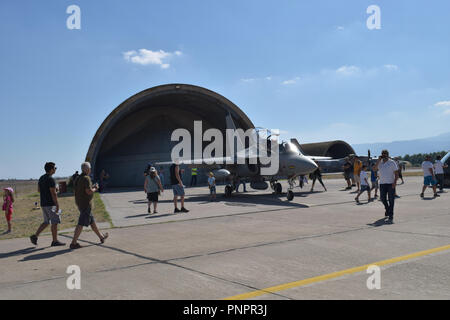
<point x="253" y="246"/>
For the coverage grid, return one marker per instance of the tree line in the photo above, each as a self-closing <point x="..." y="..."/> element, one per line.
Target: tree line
<point x="417" y="159"/>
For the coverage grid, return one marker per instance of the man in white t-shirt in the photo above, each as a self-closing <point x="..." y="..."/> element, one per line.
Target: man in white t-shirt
<point x="439" y="172"/>
<point x="429" y="179"/>
<point x="388" y="174"/>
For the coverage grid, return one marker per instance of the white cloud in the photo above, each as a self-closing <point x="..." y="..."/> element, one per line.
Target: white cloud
<point x="291" y="81"/>
<point x="146" y="57"/>
<point x="247" y="80"/>
<point x="443" y="104"/>
<point x="340" y="28"/>
<point x="348" y="70"/>
<point x="391" y="67"/>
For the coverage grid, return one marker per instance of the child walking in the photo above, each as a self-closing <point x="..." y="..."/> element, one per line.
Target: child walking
<point x="374" y="180"/>
<point x="212" y="186"/>
<point x="8" y="199"/>
<point x="364" y="184"/>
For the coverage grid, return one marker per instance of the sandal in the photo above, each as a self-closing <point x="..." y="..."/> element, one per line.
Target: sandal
<point x="105" y="236"/>
<point x="75" y="246"/>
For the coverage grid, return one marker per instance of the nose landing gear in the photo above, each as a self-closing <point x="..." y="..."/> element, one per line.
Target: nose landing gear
<point x="290" y="193"/>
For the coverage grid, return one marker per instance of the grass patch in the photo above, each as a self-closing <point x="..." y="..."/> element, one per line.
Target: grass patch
<point x="100" y="210"/>
<point x="26" y="218"/>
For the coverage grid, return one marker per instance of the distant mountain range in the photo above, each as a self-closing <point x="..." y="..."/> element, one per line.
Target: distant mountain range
<point x="401" y="148"/>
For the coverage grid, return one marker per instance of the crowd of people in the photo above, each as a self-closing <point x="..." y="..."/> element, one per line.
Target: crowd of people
<point x="384" y="175"/>
<point x="83" y="190"/>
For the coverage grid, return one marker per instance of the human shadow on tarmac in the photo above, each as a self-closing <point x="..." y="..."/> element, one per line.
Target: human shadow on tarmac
<point x="378" y="223"/>
<point x="138" y="216"/>
<point x="150" y="216"/>
<point x="45" y="255"/>
<point x="160" y="215"/>
<point x="48" y="255"/>
<point x="19" y="252"/>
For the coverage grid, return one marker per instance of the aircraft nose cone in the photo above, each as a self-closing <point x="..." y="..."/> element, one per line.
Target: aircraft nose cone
<point x="309" y="165"/>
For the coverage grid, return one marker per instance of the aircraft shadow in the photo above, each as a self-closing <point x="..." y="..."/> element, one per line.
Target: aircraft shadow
<point x="245" y="198"/>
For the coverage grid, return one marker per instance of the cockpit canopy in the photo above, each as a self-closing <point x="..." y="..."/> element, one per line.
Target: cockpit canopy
<point x="289" y="147"/>
<point x="446" y="158"/>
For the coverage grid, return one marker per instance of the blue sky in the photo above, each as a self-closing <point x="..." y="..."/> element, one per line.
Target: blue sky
<point x="310" y="68"/>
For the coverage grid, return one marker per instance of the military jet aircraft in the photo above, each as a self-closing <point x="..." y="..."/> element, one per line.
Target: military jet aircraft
<point x="248" y="165"/>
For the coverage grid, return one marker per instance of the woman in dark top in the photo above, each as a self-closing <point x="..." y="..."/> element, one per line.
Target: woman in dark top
<point x="316" y="175"/>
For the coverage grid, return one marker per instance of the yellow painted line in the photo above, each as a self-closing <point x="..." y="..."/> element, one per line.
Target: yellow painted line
<point x="337" y="274"/>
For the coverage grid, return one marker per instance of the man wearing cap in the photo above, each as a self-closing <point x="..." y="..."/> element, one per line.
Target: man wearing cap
<point x="49" y="205"/>
<point x="388" y="174"/>
<point x="153" y="188"/>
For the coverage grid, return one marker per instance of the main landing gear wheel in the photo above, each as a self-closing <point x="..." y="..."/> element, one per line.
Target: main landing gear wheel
<point x="228" y="191"/>
<point x="290" y="195"/>
<point x="278" y="188"/>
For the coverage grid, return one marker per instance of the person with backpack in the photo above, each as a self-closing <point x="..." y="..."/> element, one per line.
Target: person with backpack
<point x="153" y="189"/>
<point x="84" y="194"/>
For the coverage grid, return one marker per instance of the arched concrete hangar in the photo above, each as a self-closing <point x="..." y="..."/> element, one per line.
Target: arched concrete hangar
<point x="139" y="130"/>
<point x="336" y="149"/>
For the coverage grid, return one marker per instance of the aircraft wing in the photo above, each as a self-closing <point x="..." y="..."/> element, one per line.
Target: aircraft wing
<point x="320" y="158"/>
<point x="198" y="163"/>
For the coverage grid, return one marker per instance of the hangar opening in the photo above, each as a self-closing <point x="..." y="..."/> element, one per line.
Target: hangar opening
<point x="139" y="130"/>
<point x="336" y="149"/>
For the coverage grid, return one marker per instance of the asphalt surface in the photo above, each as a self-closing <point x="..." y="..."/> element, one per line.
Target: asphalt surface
<point x="253" y="246"/>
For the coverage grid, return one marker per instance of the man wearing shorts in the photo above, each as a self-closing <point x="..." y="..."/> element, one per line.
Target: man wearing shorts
<point x="177" y="187"/>
<point x="429" y="179"/>
<point x="348" y="173"/>
<point x="84" y="192"/>
<point x="49" y="205"/>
